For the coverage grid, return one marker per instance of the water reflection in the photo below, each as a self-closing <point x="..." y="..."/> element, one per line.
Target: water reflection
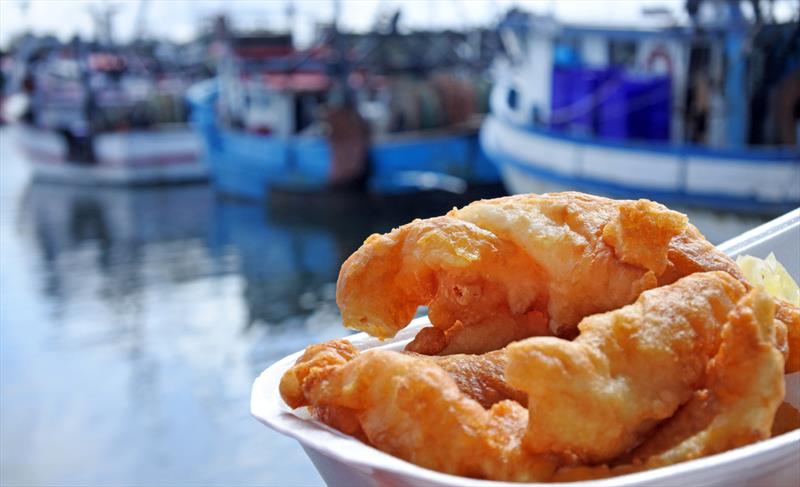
<point x="117" y="237"/>
<point x="158" y="306"/>
<point x="288" y="273"/>
<point x="136" y="240"/>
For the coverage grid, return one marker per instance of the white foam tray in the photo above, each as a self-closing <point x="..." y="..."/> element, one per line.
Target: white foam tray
<point x="345" y="461"/>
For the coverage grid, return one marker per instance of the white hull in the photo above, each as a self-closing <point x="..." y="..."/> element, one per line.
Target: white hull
<point x="537" y="161"/>
<point x="127" y="158"/>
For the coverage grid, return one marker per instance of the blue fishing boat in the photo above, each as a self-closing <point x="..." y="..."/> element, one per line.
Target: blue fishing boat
<point x="702" y="115"/>
<point x="281" y="120"/>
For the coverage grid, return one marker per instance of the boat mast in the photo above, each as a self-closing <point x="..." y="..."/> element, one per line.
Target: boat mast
<point x="141" y="17"/>
<point x="735" y="92"/>
<point x="340" y="68"/>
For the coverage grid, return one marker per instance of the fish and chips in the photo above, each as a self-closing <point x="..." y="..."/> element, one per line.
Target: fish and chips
<point x="573" y="337"/>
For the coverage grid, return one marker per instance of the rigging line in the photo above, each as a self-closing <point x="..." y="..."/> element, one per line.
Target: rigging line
<point x="636" y="104"/>
<point x="585" y="105"/>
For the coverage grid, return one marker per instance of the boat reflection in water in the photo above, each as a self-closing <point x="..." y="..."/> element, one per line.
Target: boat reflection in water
<point x="288" y="273"/>
<point x="157" y="307"/>
<point x="132" y="245"/>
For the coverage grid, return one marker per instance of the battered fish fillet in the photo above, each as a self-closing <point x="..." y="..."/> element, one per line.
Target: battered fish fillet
<point x="599" y="395"/>
<point x="742" y="390"/>
<point x="744" y="387"/>
<point x="501" y="270"/>
<point x="478" y="377"/>
<point x="410" y="407"/>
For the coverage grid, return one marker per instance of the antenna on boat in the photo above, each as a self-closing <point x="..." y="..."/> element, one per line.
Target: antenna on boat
<point x="141" y="15"/>
<point x="24" y="8"/>
<point x="291" y="13"/>
<point x="340" y="68"/>
<point x="103" y="19"/>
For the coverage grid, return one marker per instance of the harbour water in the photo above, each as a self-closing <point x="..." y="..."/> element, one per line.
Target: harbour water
<point x="132" y="323"/>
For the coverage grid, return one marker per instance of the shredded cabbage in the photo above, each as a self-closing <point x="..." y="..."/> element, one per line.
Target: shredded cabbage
<point x="771" y="275"/>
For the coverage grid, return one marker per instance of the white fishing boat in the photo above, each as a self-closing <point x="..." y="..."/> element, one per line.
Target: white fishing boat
<point x="157" y="156"/>
<point x="672" y="114"/>
<point x="90" y="115"/>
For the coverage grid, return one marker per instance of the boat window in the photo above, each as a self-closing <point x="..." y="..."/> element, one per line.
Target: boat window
<point x="699" y="94"/>
<point x="513" y="98"/>
<point x="567" y="52"/>
<point x="621" y="52"/>
<point x="306" y="109"/>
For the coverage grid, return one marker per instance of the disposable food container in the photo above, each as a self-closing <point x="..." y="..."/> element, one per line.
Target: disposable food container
<point x="344" y="461"/>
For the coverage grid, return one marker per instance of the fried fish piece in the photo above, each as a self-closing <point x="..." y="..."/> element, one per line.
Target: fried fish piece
<point x="599" y="395"/>
<point x="462" y="272"/>
<point x="501" y="270"/>
<point x="737" y="404"/>
<point x="408" y="406"/>
<point x="744" y="387"/>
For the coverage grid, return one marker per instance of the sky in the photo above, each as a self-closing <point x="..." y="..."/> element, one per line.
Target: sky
<point x="180" y="19"/>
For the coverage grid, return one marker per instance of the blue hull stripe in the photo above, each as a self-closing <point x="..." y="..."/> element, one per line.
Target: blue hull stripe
<point x="246" y="164"/>
<point x="749" y="156"/>
<point x="746" y="205"/>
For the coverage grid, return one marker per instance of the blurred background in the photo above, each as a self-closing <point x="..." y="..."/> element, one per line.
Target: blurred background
<point x="180" y="181"/>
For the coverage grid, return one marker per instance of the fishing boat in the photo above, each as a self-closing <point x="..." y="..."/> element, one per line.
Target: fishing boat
<point x="164" y="156"/>
<point x="84" y="114"/>
<point x="281" y="120"/>
<point x="698" y="115"/>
